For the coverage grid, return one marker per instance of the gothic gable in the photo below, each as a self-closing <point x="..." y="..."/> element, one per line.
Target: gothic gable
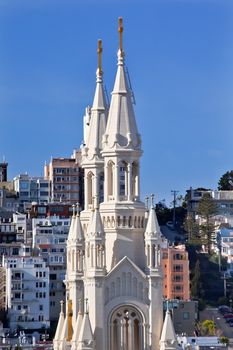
<point x="126" y="280"/>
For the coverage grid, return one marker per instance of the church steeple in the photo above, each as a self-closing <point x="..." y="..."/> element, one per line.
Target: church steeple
<point x="92" y="160"/>
<point x="121" y="130"/>
<point x="98" y="113"/>
<point x="121" y="141"/>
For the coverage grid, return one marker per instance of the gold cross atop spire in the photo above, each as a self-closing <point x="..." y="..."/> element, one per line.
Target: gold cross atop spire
<point x="99" y="51"/>
<point x="120" y="31"/>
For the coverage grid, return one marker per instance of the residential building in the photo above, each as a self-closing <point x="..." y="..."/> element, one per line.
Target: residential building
<point x="223" y="200"/>
<point x="201" y="343"/>
<point x="13" y="227"/>
<point x="66" y="179"/>
<point x="8" y="199"/>
<point x="175" y="263"/>
<point x="31" y="189"/>
<point x="49" y="240"/>
<point x="184" y="316"/>
<point x="225" y="243"/>
<point x="62" y="210"/>
<point x="27" y="291"/>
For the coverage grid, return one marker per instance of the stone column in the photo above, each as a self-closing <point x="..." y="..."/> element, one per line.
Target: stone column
<point x="131" y="335"/>
<point x="106" y="183"/>
<point x="116" y="183"/>
<point x="85" y="191"/>
<point x="129" y="176"/>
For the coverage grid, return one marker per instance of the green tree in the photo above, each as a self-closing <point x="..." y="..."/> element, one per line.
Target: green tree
<point x="206" y="210"/>
<point x="196" y="285"/>
<point x="192" y="229"/>
<point x="226" y="181"/>
<point x="224" y="340"/>
<point x="208" y="327"/>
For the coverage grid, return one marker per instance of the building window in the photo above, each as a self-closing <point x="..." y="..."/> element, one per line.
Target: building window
<point x="186" y="315"/>
<point x="178" y="268"/>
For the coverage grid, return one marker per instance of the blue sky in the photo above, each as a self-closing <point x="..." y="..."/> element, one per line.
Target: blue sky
<point x="180" y="58"/>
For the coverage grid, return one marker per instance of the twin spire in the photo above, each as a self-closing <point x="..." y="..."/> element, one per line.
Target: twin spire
<point x="118" y="127"/>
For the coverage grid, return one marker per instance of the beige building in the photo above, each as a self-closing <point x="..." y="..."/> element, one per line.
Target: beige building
<point x="65" y="175"/>
<point x="175" y="264"/>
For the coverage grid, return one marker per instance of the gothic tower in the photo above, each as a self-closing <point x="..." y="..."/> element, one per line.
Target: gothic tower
<point x="113" y="249"/>
<point x="122" y="211"/>
<point x="92" y="160"/>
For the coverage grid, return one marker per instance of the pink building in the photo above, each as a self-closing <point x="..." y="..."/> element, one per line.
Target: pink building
<point x="66" y="179"/>
<point x="175" y="263"/>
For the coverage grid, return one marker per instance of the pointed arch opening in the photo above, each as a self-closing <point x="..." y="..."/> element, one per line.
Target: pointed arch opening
<point x="123" y="188"/>
<point x="127" y="329"/>
<point x="110" y="178"/>
<point x="135" y="179"/>
<point x="101" y="187"/>
<point x="90" y="176"/>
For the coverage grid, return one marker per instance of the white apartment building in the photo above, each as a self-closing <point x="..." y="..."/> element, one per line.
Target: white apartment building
<point x="223" y="200"/>
<point x="13" y="227"/>
<point x="49" y="238"/>
<point x="31" y="189"/>
<point x="27" y="290"/>
<point x="226" y="244"/>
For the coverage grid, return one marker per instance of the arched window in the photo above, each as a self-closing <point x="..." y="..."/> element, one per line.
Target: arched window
<point x="101" y="187"/>
<point x="135" y="176"/>
<point x="123" y="178"/>
<point x="110" y="178"/>
<point x="126" y="329"/>
<point x="89" y="188"/>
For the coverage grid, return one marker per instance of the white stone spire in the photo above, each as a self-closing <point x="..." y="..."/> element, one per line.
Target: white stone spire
<point x="71" y="229"/>
<point x="95" y="228"/>
<point x="76" y="232"/>
<point x="153" y="241"/>
<point x="95" y="242"/>
<point x="98" y="114"/>
<point x="86" y="339"/>
<point x="77" y="329"/>
<point x="64" y="334"/>
<point x="75" y="263"/>
<point x="168" y="339"/>
<point x="121" y="130"/>
<point x="60" y="325"/>
<point x="152" y="227"/>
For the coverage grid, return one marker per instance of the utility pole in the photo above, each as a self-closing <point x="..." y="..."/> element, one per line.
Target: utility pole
<point x="174" y="192"/>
